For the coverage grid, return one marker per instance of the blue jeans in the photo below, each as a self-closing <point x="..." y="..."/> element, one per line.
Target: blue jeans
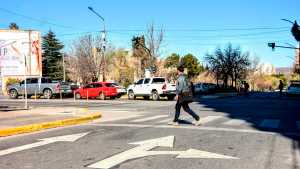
<point x="186" y="108"/>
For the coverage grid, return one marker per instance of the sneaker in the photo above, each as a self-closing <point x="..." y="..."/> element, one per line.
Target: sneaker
<point x="196" y="122"/>
<point x="173" y="123"/>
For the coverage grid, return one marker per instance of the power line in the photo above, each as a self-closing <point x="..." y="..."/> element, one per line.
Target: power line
<point x="201" y="30"/>
<point x="234" y="35"/>
<point x="194" y="37"/>
<point x="36" y="19"/>
<point x="290" y="57"/>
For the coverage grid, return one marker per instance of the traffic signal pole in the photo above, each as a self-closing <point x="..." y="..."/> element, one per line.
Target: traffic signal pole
<point x="273" y="46"/>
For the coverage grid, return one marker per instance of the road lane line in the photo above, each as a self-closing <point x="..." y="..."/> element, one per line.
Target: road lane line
<point x="270" y="123"/>
<point x="149" y="118"/>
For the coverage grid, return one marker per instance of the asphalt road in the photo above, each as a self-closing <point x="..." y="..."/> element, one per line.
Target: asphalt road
<point x="236" y="133"/>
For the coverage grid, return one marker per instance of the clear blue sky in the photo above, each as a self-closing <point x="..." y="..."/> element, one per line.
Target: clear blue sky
<point x="191" y="26"/>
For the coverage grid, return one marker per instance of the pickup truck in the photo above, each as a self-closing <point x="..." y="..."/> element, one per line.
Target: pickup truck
<point x="154" y="87"/>
<point x="39" y="86"/>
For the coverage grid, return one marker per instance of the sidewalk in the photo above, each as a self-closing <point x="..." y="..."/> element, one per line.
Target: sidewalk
<point x="16" y="121"/>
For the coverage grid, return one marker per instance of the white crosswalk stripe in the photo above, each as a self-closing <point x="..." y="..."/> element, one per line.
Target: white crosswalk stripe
<point x="165" y="120"/>
<point x="149" y="118"/>
<point x="236" y="122"/>
<point x="209" y="119"/>
<point x="270" y="123"/>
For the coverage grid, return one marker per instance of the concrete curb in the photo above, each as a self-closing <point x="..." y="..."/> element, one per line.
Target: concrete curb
<point x="47" y="125"/>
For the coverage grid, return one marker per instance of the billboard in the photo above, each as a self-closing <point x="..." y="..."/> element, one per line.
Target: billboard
<point x="20" y="48"/>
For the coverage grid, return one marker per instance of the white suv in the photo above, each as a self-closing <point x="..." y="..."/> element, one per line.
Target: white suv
<point x="154" y="87"/>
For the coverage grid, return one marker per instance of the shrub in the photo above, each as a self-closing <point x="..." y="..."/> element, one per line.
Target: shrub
<point x="11" y="81"/>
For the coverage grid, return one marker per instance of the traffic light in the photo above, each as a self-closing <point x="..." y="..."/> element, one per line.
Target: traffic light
<point x="272" y="45"/>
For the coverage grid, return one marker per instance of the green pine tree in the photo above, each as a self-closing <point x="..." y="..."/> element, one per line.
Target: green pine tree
<point x="52" y="56"/>
<point x="192" y="64"/>
<point x="172" y="61"/>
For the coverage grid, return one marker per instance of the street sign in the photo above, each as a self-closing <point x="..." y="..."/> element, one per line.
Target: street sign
<point x="143" y="150"/>
<point x="45" y="141"/>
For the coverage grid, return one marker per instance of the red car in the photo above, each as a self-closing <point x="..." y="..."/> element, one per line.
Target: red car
<point x="97" y="90"/>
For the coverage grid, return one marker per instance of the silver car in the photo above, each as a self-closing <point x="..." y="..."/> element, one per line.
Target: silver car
<point x="38" y="86"/>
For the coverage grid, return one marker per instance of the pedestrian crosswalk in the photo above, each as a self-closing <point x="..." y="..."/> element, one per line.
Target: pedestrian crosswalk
<point x="214" y="120"/>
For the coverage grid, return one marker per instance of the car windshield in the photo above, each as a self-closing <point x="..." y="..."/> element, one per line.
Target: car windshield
<point x="115" y="84"/>
<point x="158" y="80"/>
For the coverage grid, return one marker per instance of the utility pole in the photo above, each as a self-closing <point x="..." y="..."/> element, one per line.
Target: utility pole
<point x="64" y="68"/>
<point x="25" y="83"/>
<point x="103" y="44"/>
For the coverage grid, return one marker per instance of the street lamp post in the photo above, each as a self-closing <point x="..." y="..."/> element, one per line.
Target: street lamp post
<point x="103" y="38"/>
<point x="64" y="68"/>
<point x="287" y="21"/>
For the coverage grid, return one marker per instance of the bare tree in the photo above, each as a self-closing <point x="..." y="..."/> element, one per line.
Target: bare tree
<point x="85" y="63"/>
<point x="147" y="50"/>
<point x="229" y="64"/>
<point x="154" y="40"/>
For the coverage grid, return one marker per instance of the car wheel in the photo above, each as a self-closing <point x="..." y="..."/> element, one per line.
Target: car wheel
<point x="77" y="96"/>
<point x="102" y="96"/>
<point x="171" y="97"/>
<point x="155" y="95"/>
<point x="47" y="93"/>
<point x="146" y="97"/>
<point x="13" y="94"/>
<point x="131" y="95"/>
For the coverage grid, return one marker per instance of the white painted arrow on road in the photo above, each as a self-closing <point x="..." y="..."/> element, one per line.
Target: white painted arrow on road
<point x="45" y="141"/>
<point x="143" y="150"/>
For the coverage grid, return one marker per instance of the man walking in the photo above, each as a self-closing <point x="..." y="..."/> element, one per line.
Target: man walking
<point x="246" y="88"/>
<point x="280" y="87"/>
<point x="183" y="98"/>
